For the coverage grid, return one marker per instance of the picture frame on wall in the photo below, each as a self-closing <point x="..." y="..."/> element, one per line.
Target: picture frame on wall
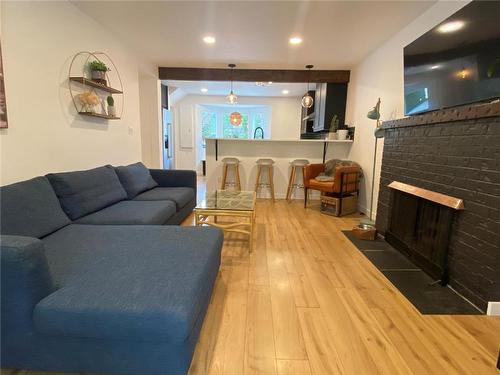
<point x="3" y="103"/>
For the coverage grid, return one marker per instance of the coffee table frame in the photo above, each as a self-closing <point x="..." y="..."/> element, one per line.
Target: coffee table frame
<point x="202" y="217"/>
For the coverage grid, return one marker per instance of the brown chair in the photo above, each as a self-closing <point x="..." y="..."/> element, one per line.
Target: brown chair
<point x="345" y="181"/>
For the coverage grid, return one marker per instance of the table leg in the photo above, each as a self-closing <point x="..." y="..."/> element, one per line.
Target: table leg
<point x="252" y="226"/>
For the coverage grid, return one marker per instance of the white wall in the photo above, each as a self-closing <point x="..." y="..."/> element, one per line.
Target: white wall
<point x="45" y="134"/>
<point x="381" y="75"/>
<point x="285" y="122"/>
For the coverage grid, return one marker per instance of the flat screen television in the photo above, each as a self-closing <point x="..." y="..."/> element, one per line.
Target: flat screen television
<point x="455" y="63"/>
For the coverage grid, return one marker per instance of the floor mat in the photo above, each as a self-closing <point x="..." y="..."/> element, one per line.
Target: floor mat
<point x="411" y="281"/>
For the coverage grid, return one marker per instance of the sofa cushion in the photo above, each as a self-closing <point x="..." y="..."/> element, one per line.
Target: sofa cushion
<point x="30" y="208"/>
<point x="83" y="192"/>
<point x="135" y="178"/>
<point x="145" y="283"/>
<point x="132" y="212"/>
<point x="180" y="195"/>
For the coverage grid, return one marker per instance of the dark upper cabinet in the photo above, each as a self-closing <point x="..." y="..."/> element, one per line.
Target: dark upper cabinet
<point x="330" y="100"/>
<point x="164" y="96"/>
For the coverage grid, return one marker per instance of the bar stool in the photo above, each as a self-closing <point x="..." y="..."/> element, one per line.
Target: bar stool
<point x="262" y="164"/>
<point x="226" y="164"/>
<point x="292" y="183"/>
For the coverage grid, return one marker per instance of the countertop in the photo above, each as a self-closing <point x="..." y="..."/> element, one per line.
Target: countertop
<point x="283" y="140"/>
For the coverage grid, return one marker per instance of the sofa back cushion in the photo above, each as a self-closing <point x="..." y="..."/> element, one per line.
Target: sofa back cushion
<point x="135" y="178"/>
<point x="30" y="208"/>
<point x="84" y="192"/>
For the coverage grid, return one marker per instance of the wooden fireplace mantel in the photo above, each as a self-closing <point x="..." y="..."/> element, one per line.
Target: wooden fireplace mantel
<point x="445" y="200"/>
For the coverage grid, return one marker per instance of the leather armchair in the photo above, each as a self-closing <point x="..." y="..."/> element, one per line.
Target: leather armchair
<point x="345" y="181"/>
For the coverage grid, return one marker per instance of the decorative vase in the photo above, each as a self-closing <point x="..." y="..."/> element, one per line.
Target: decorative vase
<point x="111" y="110"/>
<point x="342" y="134"/>
<point x="99" y="76"/>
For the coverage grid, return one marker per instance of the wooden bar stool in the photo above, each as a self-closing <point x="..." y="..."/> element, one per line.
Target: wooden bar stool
<point x="262" y="164"/>
<point x="226" y="164"/>
<point x="292" y="182"/>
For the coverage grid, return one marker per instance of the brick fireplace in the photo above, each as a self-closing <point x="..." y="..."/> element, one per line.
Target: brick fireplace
<point x="454" y="152"/>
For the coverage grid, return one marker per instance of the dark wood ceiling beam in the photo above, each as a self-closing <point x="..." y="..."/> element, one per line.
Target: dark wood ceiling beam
<point x="253" y="75"/>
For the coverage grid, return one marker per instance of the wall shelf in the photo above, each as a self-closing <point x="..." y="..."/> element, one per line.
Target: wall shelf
<point x="80" y="82"/>
<point x="89" y="82"/>
<point x="100" y="115"/>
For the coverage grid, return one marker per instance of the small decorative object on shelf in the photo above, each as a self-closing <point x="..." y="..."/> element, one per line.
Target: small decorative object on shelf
<point x="92" y="83"/>
<point x="98" y="71"/>
<point x="111" y="106"/>
<point x="89" y="100"/>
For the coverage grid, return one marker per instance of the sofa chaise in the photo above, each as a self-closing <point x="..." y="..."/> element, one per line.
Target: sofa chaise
<point x="91" y="281"/>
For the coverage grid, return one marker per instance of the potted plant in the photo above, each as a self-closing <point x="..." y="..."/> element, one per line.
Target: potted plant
<point x="98" y="71"/>
<point x="111" y="106"/>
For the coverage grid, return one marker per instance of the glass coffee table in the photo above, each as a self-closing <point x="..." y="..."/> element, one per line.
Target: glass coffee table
<point x="220" y="203"/>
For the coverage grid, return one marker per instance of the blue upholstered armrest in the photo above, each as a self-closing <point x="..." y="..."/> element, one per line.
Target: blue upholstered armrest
<point x="25" y="278"/>
<point x="174" y="178"/>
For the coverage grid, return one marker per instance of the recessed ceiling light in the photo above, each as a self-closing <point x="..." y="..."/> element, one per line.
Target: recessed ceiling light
<point x="209" y="39"/>
<point x="285" y="92"/>
<point x="204" y="89"/>
<point x="435" y="67"/>
<point x="450" y="27"/>
<point x="295" y="40"/>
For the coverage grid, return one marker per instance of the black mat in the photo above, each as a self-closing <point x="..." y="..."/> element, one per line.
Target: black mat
<point x="411" y="281"/>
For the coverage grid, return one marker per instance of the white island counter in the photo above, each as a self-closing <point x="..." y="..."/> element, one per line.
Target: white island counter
<point x="282" y="151"/>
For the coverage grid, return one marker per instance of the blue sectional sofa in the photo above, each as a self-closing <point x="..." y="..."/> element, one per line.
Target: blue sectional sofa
<point x="91" y="281"/>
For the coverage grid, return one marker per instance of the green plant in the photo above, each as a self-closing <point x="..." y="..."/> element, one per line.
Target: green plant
<point x="110" y="100"/>
<point x="334" y="124"/>
<point x="98" y="66"/>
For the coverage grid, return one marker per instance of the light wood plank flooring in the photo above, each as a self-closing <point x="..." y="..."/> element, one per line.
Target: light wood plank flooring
<point x="307" y="302"/>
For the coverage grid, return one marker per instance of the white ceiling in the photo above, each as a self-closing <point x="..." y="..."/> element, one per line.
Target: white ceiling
<point x="254" y="34"/>
<point x="240" y="88"/>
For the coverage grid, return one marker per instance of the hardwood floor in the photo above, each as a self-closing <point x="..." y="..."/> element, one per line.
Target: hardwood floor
<point x="305" y="301"/>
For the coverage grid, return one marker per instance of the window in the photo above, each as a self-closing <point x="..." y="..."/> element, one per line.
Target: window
<point x="214" y="121"/>
<point x="208" y="125"/>
<point x="232" y="131"/>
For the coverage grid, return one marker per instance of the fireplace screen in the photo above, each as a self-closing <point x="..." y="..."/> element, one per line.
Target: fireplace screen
<point x="421" y="229"/>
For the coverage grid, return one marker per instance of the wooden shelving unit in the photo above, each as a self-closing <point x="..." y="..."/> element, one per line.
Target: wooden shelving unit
<point x="100" y="115"/>
<point x="89" y="82"/>
<point x="79" y="81"/>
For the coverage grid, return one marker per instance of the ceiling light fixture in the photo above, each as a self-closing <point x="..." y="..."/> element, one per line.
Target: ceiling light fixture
<point x="209" y="39"/>
<point x="434" y="67"/>
<point x="263" y="84"/>
<point x="450" y="27"/>
<point x="285" y="92"/>
<point x="232" y="98"/>
<point x="307" y="99"/>
<point x="204" y="90"/>
<point x="235" y="118"/>
<point x="295" y="40"/>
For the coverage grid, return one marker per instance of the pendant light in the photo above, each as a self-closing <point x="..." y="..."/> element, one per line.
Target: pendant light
<point x="232" y="98"/>
<point x="235" y="119"/>
<point x="307" y="99"/>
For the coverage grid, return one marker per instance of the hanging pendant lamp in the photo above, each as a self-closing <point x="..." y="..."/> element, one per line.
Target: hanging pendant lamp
<point x="232" y="98"/>
<point x="307" y="99"/>
<point x="235" y="119"/>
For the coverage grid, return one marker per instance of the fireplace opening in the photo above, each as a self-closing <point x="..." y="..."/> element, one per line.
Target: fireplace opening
<point x="420" y="224"/>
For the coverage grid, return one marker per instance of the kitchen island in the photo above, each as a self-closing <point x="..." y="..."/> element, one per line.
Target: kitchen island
<point x="282" y="151"/>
